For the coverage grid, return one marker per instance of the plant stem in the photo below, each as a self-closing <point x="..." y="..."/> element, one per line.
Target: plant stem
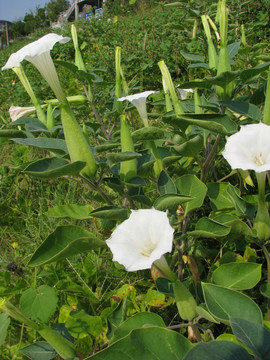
<point x="267" y="256"/>
<point x="210" y="158"/>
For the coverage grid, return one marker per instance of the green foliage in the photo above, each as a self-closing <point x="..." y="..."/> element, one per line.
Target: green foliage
<point x="55" y="265"/>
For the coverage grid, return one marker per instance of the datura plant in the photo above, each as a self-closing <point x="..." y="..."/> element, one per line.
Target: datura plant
<point x="173" y="261"/>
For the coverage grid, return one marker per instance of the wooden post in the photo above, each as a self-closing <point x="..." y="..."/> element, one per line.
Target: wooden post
<point x="7" y="33"/>
<point x="76" y="10"/>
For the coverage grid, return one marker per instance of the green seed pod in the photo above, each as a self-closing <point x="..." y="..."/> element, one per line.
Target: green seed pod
<point x="128" y="169"/>
<point x="185" y="302"/>
<point x="78" y="148"/>
<point x="61" y="345"/>
<point x="50" y="117"/>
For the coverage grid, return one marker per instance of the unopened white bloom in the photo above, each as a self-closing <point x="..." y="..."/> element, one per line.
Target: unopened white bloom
<point x="184" y="93"/>
<point x="249" y="149"/>
<point x="17" y="112"/>
<point x="38" y="53"/>
<point x="139" y="101"/>
<point x="141" y="239"/>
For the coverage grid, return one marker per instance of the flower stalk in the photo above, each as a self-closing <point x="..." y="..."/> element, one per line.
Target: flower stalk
<point x="24" y="80"/>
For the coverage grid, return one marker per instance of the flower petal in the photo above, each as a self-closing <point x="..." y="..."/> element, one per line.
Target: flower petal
<point x="141" y="239"/>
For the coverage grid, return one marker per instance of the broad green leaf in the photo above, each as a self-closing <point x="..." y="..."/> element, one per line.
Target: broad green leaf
<point x="4" y="324"/>
<point x="217" y="123"/>
<point x="12" y="134"/>
<point x="117" y="317"/>
<point x="217" y="350"/>
<point x="224" y="79"/>
<point x="115" y="158"/>
<point x="244" y="108"/>
<point x="56" y="145"/>
<point x="110" y="213"/>
<point x="165" y="184"/>
<point x="165" y="286"/>
<point x="80" y="324"/>
<point x="190" y="147"/>
<point x="238" y="227"/>
<point x="106" y="147"/>
<point x="167" y="161"/>
<point x="170" y="202"/>
<point x="40" y="350"/>
<point x="233" y="49"/>
<point x="208" y="228"/>
<point x="199" y="66"/>
<point x="202" y="311"/>
<point x="265" y="290"/>
<point x="140" y="320"/>
<point x="73" y="211"/>
<point x="65" y="241"/>
<point x="39" y="304"/>
<point x="219" y="197"/>
<point x="254" y="336"/>
<point x="151" y="343"/>
<point x="148" y="133"/>
<point x="193" y="57"/>
<point x="238" y="276"/>
<point x="250" y="73"/>
<point x="238" y="203"/>
<point x="192" y="186"/>
<point x="51" y="168"/>
<point x="196" y="84"/>
<point x="225" y="303"/>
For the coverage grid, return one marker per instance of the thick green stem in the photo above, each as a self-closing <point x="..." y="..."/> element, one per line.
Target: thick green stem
<point x="267" y="256"/>
<point x="262" y="219"/>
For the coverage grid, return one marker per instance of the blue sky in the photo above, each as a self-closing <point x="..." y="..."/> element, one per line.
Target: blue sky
<point x="13" y="10"/>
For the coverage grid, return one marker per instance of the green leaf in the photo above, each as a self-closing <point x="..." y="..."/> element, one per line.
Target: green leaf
<point x="224" y="79"/>
<point x="106" y="147"/>
<point x="244" y="108"/>
<point x="238" y="203"/>
<point x="151" y="343"/>
<point x="73" y="211"/>
<point x="117" y="317"/>
<point x="165" y="184"/>
<point x="192" y="186"/>
<point x="148" y="133"/>
<point x="254" y="336"/>
<point x="165" y="286"/>
<point x="218" y="350"/>
<point x="115" y="158"/>
<point x="250" y="73"/>
<point x="110" y="213"/>
<point x="238" y="276"/>
<point x="39" y="304"/>
<point x="4" y="324"/>
<point x="56" y="145"/>
<point x="196" y="84"/>
<point x="8" y="134"/>
<point x="208" y="228"/>
<point x="265" y="290"/>
<point x="217" y="123"/>
<point x="65" y="241"/>
<point x="193" y="57"/>
<point x="233" y="49"/>
<point x="202" y="311"/>
<point x="219" y="197"/>
<point x="40" y="350"/>
<point x="190" y="147"/>
<point x="80" y="324"/>
<point x="225" y="303"/>
<point x="170" y="202"/>
<point x="51" y="168"/>
<point x="140" y="320"/>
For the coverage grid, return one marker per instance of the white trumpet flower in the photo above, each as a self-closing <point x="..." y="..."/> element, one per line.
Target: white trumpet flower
<point x="139" y="101"/>
<point x="142" y="239"/>
<point x="249" y="149"/>
<point x="38" y="53"/>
